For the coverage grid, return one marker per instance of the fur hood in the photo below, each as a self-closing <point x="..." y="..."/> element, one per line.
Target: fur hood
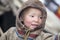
<point x="33" y="4"/>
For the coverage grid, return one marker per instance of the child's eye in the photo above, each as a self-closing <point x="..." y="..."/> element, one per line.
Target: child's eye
<point x="41" y="17"/>
<point x="31" y="15"/>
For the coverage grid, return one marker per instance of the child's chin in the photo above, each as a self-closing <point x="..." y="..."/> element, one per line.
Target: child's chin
<point x="32" y="28"/>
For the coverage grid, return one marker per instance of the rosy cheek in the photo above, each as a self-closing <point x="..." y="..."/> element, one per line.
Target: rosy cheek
<point x="27" y="23"/>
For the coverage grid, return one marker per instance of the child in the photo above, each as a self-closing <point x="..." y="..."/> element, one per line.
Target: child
<point x="30" y="23"/>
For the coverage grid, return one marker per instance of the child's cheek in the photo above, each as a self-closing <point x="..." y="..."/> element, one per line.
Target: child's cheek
<point x="27" y="23"/>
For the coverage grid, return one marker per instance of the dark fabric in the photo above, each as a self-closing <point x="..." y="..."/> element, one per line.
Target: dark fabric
<point x="7" y="20"/>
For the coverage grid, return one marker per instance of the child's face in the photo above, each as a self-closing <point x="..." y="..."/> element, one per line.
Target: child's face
<point x="32" y="18"/>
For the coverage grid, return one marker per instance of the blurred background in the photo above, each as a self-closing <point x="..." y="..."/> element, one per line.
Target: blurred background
<point x="9" y="8"/>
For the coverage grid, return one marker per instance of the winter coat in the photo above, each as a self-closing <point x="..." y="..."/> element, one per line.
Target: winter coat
<point x="11" y="34"/>
<point x="1" y="32"/>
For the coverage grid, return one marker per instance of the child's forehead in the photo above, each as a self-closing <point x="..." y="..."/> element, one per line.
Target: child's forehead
<point x="32" y="11"/>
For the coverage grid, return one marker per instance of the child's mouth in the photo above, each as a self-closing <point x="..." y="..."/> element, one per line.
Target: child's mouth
<point x="34" y="25"/>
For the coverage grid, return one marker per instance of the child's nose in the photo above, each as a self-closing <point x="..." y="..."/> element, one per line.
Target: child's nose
<point x="36" y="19"/>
